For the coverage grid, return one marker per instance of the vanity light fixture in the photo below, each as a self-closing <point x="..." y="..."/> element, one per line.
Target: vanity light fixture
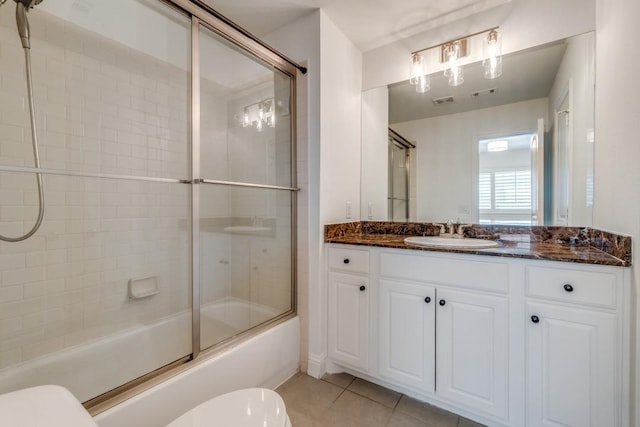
<point x="498" y="145"/>
<point x="259" y="115"/>
<point x="450" y="54"/>
<point x="492" y="53"/>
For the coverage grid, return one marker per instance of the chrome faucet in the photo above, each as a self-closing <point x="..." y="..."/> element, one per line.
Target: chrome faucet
<point x="450" y="227"/>
<point x="446" y="230"/>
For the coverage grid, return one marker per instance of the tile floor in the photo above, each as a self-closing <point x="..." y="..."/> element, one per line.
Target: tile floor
<point x="343" y="400"/>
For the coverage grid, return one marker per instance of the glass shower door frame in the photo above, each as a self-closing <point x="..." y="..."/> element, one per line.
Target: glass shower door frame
<point x="203" y="19"/>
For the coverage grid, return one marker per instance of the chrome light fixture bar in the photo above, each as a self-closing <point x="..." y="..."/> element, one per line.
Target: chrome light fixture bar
<point x="451" y="52"/>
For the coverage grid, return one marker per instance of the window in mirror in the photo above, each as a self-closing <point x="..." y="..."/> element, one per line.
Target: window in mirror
<point x="506" y="180"/>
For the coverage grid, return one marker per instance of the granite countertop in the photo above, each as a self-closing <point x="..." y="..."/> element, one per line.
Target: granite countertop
<point x="566" y="244"/>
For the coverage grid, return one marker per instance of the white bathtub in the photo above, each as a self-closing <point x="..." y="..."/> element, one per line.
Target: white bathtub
<point x="95" y="367"/>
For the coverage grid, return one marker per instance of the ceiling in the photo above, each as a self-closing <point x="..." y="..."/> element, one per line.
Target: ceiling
<point x="527" y="74"/>
<point x="368" y="23"/>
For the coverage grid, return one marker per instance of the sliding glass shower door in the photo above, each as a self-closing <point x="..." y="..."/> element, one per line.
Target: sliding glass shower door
<point x="245" y="190"/>
<point x="101" y="294"/>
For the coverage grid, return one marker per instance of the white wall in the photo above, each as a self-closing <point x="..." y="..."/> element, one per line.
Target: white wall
<point x="617" y="176"/>
<point x="333" y="131"/>
<point x="443" y="146"/>
<point x="375" y="143"/>
<point x="340" y="124"/>
<point x="524" y="23"/>
<point x="577" y="71"/>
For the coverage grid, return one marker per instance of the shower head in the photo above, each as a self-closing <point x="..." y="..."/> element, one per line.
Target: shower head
<point x="23" y="25"/>
<point x="22" y="6"/>
<point x="29" y="3"/>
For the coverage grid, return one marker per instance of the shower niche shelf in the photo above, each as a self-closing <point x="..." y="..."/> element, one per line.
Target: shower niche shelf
<point x="143" y="287"/>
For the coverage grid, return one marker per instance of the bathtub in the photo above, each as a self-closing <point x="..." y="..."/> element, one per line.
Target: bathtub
<point x="94" y="367"/>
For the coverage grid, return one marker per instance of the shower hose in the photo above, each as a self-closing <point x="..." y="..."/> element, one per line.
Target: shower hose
<point x="34" y="143"/>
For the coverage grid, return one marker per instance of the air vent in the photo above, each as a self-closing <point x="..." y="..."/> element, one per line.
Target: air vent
<point x="443" y="100"/>
<point x="485" y="92"/>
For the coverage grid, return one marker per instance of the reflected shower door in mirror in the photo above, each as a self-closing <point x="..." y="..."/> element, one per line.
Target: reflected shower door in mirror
<point x="552" y="82"/>
<point x="399" y="155"/>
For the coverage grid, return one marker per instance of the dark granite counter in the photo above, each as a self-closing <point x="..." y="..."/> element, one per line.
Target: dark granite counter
<point x="566" y="244"/>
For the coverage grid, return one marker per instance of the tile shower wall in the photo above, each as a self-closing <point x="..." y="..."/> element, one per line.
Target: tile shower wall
<point x="101" y="107"/>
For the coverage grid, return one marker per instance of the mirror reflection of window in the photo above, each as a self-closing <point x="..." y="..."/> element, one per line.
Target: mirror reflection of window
<point x="505" y="185"/>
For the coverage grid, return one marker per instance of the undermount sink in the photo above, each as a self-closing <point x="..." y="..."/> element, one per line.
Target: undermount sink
<point x="449" y="242"/>
<point x="246" y="229"/>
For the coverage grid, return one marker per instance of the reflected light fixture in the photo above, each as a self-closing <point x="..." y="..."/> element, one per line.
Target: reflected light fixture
<point x="451" y="53"/>
<point x="497" y="145"/>
<point x="492" y="53"/>
<point x="259" y="115"/>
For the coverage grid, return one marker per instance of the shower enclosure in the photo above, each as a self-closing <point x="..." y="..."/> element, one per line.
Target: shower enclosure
<point x="168" y="171"/>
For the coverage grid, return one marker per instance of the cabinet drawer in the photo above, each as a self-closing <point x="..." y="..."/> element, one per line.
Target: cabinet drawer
<point x="575" y="286"/>
<point x="346" y="259"/>
<point x="481" y="275"/>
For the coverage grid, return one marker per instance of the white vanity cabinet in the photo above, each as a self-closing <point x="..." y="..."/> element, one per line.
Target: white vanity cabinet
<point x="408" y="334"/>
<point x="349" y="307"/>
<point x="472" y="350"/>
<point x="444" y="328"/>
<point x="504" y="341"/>
<point x="573" y="347"/>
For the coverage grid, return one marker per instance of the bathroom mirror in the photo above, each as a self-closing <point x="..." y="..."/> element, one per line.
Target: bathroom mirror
<point x="513" y="150"/>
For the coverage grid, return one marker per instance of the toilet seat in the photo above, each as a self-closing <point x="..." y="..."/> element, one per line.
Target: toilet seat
<point x="252" y="407"/>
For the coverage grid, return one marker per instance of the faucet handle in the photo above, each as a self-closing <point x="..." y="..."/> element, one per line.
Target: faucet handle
<point x="461" y="228"/>
<point x="438" y="224"/>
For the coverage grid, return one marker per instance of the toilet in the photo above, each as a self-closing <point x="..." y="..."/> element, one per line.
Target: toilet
<point x="251" y="407"/>
<point x="55" y="406"/>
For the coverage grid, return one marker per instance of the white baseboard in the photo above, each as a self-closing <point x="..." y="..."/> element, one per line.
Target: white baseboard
<point x="316" y="366"/>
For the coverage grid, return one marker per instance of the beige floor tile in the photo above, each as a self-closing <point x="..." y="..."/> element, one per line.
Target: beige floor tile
<point x="399" y="419"/>
<point x="353" y="410"/>
<point x="388" y="398"/>
<point x="427" y="413"/>
<point x="290" y="381"/>
<point x="308" y="395"/>
<point x="341" y="380"/>
<point x="299" y="419"/>
<point x="463" y="422"/>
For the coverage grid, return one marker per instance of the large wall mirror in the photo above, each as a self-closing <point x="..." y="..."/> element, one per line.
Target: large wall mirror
<point x="513" y="150"/>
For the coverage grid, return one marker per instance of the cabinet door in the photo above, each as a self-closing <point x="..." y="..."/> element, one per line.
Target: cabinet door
<point x="348" y="319"/>
<point x="407" y="334"/>
<point x="472" y="350"/>
<point x="571" y="375"/>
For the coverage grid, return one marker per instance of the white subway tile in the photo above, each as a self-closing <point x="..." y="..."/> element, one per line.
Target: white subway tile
<point x="10" y="293"/>
<point x="22" y="275"/>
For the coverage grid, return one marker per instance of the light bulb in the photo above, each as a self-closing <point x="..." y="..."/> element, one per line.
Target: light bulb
<point x="492" y="61"/>
<point x="416" y="68"/>
<point x="424" y="84"/>
<point x="246" y="121"/>
<point x="456" y="76"/>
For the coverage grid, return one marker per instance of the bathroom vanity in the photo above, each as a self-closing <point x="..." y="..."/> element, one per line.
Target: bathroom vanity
<point x="502" y="336"/>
